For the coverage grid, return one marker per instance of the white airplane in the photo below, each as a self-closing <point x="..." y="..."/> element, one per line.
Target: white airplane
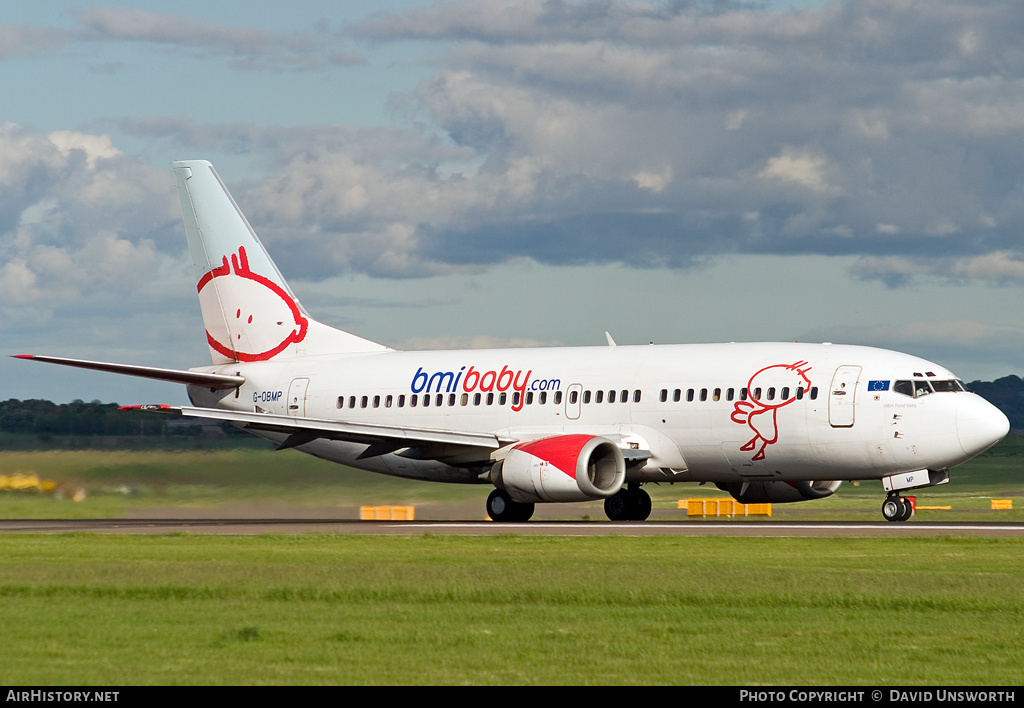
<point x="767" y="422"/>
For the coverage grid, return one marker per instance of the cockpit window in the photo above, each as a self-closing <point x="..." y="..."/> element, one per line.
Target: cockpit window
<point x="921" y="387"/>
<point x="904" y="387"/>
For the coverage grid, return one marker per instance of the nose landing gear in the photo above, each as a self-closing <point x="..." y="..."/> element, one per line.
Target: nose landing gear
<point x="896" y="508"/>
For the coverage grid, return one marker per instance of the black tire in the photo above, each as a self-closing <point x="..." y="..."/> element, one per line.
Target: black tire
<point x="893" y="509"/>
<point x="618" y="506"/>
<point x="908" y="509"/>
<point x="642" y="507"/>
<point x="501" y="507"/>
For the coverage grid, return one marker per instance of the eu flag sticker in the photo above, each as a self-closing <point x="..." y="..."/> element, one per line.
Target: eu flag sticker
<point x="878" y="385"/>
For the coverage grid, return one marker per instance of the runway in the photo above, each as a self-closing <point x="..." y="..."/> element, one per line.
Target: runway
<point x="235" y="526"/>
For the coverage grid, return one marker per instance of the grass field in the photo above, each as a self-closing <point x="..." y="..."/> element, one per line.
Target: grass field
<point x="324" y="609"/>
<point x="421" y="609"/>
<point x="261" y="481"/>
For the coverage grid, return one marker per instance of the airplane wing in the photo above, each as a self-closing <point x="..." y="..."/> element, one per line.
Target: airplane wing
<point x="424" y="443"/>
<point x="216" y="381"/>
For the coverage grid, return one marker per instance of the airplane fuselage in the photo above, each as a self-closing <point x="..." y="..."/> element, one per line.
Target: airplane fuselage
<point x="705" y="412"/>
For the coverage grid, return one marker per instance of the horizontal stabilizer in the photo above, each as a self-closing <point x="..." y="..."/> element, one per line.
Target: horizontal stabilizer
<point x="197" y="378"/>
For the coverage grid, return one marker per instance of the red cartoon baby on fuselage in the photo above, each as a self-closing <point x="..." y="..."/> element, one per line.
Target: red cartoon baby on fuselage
<point x="259" y="319"/>
<point x="768" y="390"/>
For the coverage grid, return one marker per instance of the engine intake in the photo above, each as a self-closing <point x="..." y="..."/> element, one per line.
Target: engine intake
<point x="565" y="468"/>
<point x="779" y="492"/>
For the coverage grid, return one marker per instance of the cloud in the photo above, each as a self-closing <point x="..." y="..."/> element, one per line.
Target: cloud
<point x="799" y="167"/>
<point x="649" y="134"/>
<point x="1004" y="267"/>
<point x="82" y="222"/>
<point x="20" y="41"/>
<point x="247" y="48"/>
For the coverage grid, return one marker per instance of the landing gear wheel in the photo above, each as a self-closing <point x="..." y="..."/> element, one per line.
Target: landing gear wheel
<point x="501" y="507"/>
<point x="616" y="507"/>
<point x="895" y="508"/>
<point x="643" y="505"/>
<point x="628" y="505"/>
<point x="908" y="510"/>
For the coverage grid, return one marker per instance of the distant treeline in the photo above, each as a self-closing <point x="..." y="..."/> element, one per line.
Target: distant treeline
<point x="47" y="420"/>
<point x="1006" y="394"/>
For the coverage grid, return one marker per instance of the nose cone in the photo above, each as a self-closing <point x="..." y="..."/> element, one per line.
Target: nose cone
<point x="979" y="424"/>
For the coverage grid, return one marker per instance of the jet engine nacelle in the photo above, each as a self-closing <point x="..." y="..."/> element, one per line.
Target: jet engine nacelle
<point x="779" y="492"/>
<point x="565" y="468"/>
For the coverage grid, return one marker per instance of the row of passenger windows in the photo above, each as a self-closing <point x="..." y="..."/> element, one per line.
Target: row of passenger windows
<point x="477" y="399"/>
<point x="716" y="394"/>
<point x="427" y="400"/>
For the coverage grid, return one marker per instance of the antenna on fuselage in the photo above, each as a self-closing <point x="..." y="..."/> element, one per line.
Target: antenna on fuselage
<point x="611" y="342"/>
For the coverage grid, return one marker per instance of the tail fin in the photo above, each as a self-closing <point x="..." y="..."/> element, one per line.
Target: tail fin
<point x="249" y="311"/>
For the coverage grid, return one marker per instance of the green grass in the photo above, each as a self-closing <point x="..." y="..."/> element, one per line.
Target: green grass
<point x="121" y="483"/>
<point x="322" y="609"/>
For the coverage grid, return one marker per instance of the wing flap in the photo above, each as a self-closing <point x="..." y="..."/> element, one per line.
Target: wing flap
<point x="380" y="438"/>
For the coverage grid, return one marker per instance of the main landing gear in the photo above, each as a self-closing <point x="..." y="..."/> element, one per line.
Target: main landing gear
<point x="630" y="503"/>
<point x="502" y="507"/>
<point x="897" y="508"/>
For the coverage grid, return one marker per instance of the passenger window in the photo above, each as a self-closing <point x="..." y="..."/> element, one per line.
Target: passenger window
<point x="689" y="395"/>
<point x="730" y="394"/>
<point x="413" y="400"/>
<point x="611" y="396"/>
<point x="757" y="394"/>
<point x="451" y="399"/>
<point x="573" y="397"/>
<point x="341" y="401"/>
<point x="717" y="395"/>
<point x="743" y="393"/>
<point x="636" y="396"/>
<point x="586" y="396"/>
<point x="663" y="396"/>
<point x="529" y="398"/>
<point x="543" y="397"/>
<point x="515" y="398"/>
<point x="401" y="401"/>
<point x="388" y="401"/>
<point x="363" y="402"/>
<point x="676" y="395"/>
<point x="799" y="393"/>
<point x="476" y="399"/>
<point x="814" y="393"/>
<point x="771" y="393"/>
<point x="439" y="401"/>
<point x="703" y="394"/>
<point x="785" y="394"/>
<point x="426" y="400"/>
<point x="624" y="396"/>
<point x="465" y="399"/>
<point x="558" y="398"/>
<point x="490" y="399"/>
<point x="599" y="397"/>
<point x="502" y="397"/>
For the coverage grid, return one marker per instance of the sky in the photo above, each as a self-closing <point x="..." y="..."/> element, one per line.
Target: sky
<point x="481" y="173"/>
